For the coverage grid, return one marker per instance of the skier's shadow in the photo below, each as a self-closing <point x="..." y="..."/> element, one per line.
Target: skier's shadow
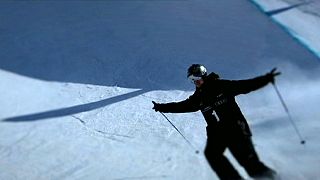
<point x="74" y="109"/>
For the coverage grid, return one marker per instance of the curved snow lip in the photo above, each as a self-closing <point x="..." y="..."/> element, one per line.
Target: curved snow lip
<point x="275" y="14"/>
<point x="141" y="44"/>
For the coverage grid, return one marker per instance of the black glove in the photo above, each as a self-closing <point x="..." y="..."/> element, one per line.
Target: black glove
<point x="156" y="106"/>
<point x="272" y="74"/>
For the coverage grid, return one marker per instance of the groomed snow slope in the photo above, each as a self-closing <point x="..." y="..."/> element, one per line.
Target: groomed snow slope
<point x="78" y="78"/>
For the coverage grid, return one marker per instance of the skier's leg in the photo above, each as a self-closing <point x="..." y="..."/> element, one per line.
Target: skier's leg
<point x="218" y="162"/>
<point x="243" y="150"/>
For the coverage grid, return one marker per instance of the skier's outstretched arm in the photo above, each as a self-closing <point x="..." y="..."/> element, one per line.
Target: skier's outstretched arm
<point x="246" y="86"/>
<point x="188" y="105"/>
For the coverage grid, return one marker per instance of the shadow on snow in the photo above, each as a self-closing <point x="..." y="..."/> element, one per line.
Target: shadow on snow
<point x="74" y="109"/>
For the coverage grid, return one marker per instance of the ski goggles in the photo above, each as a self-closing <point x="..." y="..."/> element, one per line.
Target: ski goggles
<point x="194" y="78"/>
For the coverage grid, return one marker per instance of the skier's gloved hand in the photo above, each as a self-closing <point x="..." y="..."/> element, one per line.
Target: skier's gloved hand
<point x="272" y="74"/>
<point x="156" y="106"/>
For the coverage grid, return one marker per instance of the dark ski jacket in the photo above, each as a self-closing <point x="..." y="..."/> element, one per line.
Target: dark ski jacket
<point x="218" y="95"/>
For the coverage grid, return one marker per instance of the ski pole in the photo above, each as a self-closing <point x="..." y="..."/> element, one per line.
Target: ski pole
<point x="197" y="152"/>
<point x="302" y="141"/>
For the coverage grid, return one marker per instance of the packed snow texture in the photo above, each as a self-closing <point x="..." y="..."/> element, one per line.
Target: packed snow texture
<point x="300" y="19"/>
<point x="78" y="78"/>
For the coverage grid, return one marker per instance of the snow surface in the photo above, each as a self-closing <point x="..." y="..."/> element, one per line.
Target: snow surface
<point x="78" y="78"/>
<point x="302" y="22"/>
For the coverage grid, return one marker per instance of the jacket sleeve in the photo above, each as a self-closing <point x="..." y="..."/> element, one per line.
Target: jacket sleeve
<point x="237" y="87"/>
<point x="189" y="105"/>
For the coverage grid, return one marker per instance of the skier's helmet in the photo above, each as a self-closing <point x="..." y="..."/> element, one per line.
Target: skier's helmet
<point x="196" y="72"/>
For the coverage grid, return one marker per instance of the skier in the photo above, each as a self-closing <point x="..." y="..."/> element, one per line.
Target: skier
<point x="226" y="125"/>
